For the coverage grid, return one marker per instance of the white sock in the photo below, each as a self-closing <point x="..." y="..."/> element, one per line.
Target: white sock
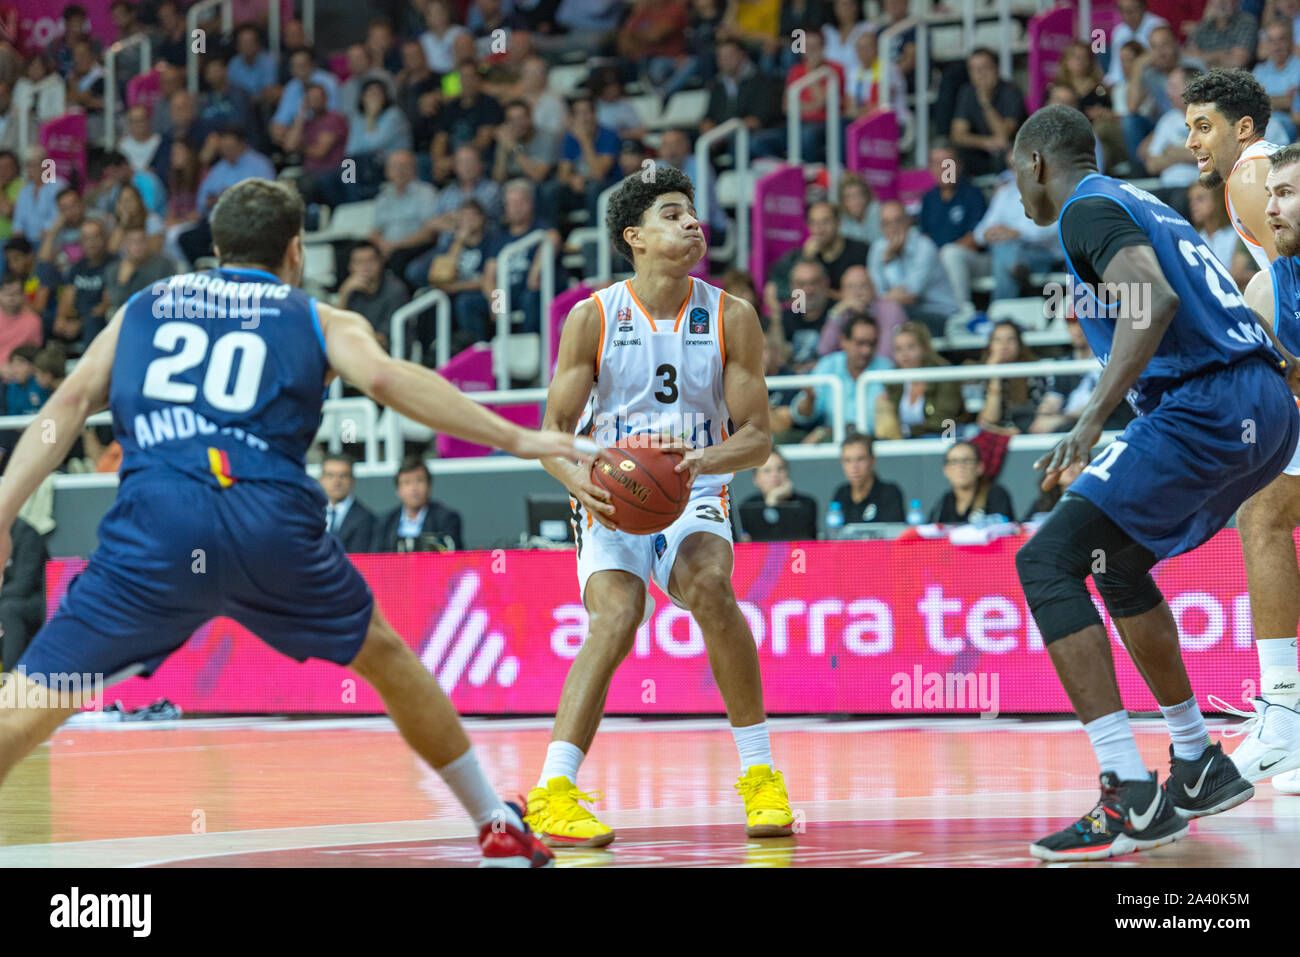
<point x="1186" y="729"/>
<point x="1116" y="748"/>
<point x="1278" y="672"/>
<point x="562" y="761"/>
<point x="754" y="744"/>
<point x="472" y="788"/>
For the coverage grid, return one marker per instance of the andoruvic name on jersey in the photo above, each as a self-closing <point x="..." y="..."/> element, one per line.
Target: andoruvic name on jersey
<point x="1213" y="326"/>
<point x="661" y="377"/>
<point x="219" y="375"/>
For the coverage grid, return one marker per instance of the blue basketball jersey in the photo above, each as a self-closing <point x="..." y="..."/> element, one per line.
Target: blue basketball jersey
<point x="219" y="375"/>
<point x="1213" y="327"/>
<point x="1285" y="271"/>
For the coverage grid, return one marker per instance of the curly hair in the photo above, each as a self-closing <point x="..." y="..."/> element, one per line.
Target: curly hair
<point x="636" y="194"/>
<point x="1234" y="93"/>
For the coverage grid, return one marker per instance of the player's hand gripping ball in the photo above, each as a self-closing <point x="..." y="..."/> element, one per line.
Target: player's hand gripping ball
<point x="647" y="493"/>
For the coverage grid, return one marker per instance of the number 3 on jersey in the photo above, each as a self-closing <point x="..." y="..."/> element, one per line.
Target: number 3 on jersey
<point x="247" y="349"/>
<point x="667" y="391"/>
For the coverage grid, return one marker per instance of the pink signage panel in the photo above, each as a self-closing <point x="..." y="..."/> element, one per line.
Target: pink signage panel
<point x="873" y="151"/>
<point x="778" y="219"/>
<point x="1048" y="34"/>
<point x="852" y="627"/>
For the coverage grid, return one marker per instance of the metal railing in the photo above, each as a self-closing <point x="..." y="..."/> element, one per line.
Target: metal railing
<point x="397" y="348"/>
<point x="369" y="413"/>
<point x="442" y="328"/>
<point x="28" y="98"/>
<point x="886" y="76"/>
<point x="736" y="129"/>
<point x="1009" y="370"/>
<point x="501" y="354"/>
<point x="794" y="121"/>
<point x="838" y="424"/>
<point x="110" y="79"/>
<point x="273" y="28"/>
<point x="192" y="24"/>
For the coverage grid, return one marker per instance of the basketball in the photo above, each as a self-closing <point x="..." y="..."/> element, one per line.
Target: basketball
<point x="646" y="493"/>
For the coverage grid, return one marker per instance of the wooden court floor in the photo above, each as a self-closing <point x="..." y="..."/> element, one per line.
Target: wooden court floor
<point x="349" y="793"/>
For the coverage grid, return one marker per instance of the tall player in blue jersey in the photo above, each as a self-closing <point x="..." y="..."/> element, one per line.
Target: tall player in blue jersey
<point x="215" y="381"/>
<point x="1217" y="422"/>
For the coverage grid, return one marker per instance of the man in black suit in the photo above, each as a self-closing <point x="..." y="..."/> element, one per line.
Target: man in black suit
<point x="418" y="524"/>
<point x="741" y="90"/>
<point x="345" y="518"/>
<point x="22" y="595"/>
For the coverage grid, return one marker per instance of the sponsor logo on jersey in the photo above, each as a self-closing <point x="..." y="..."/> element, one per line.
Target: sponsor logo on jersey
<point x="625" y="342"/>
<point x="699" y="342"/>
<point x="699" y="321"/>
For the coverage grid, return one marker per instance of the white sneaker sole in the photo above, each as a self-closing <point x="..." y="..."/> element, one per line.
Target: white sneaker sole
<point x="1120" y="846"/>
<point x="1253" y="773"/>
<point x="1287" y="783"/>
<point x="1226" y="804"/>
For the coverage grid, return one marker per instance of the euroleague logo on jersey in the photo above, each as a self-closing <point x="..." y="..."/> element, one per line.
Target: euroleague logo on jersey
<point x="699" y="321"/>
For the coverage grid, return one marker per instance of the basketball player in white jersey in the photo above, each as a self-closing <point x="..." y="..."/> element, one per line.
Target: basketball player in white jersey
<point x="665" y="354"/>
<point x="1227" y="111"/>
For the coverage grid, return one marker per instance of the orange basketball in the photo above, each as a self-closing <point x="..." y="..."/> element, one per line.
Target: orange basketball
<point x="646" y="493"/>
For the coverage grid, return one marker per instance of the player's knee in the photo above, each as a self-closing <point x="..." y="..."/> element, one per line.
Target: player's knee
<point x="1271" y="513"/>
<point x="1128" y="594"/>
<point x="612" y="631"/>
<point x="708" y="590"/>
<point x="1053" y="569"/>
<point x="381" y="649"/>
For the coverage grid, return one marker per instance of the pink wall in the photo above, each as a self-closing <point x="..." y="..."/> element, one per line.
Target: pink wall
<point x="840" y="627"/>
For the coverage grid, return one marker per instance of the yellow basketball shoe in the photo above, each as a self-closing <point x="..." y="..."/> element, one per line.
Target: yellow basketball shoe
<point x="767" y="806"/>
<point x="560" y="821"/>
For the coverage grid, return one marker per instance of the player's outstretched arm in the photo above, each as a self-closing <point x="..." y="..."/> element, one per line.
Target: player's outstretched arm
<point x="46" y="442"/>
<point x="575" y="370"/>
<point x="1147" y="297"/>
<point x="745" y="389"/>
<point x="1249" y="200"/>
<point x="423" y="395"/>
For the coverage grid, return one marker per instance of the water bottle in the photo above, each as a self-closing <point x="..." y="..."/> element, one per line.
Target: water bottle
<point x="834" y="517"/>
<point x="914" y="514"/>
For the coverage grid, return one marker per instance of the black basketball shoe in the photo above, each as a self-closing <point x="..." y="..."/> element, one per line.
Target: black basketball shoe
<point x="1208" y="785"/>
<point x="1130" y="816"/>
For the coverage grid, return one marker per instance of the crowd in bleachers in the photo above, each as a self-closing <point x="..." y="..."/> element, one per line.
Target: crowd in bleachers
<point x="461" y="125"/>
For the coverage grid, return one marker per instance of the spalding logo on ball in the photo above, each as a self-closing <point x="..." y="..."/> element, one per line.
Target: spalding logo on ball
<point x="647" y="492"/>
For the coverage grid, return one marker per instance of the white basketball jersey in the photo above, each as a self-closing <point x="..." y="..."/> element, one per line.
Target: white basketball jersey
<point x="661" y="377"/>
<point x="1255" y="150"/>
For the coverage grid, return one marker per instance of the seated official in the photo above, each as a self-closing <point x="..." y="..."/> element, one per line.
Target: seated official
<point x="972" y="496"/>
<point x="22" y="594"/>
<point x="776" y="512"/>
<point x="864" y="497"/>
<point x="418" y="524"/>
<point x="345" y="518"/>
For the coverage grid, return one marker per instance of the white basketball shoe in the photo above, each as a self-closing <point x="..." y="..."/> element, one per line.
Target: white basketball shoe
<point x="1272" y="740"/>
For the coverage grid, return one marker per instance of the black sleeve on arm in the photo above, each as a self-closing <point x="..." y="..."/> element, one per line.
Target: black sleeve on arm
<point x="1093" y="230"/>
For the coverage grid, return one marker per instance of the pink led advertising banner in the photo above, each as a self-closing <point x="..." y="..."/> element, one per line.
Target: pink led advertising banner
<point x="909" y="626"/>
